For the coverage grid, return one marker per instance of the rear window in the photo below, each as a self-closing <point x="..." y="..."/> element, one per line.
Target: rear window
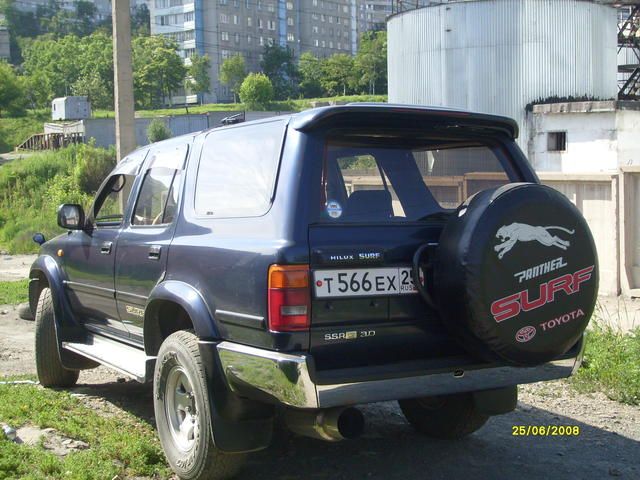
<point x="238" y="169"/>
<point x="387" y="178"/>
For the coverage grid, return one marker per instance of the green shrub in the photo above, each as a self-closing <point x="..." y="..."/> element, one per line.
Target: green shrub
<point x="32" y="188"/>
<point x="611" y="364"/>
<point x="256" y="91"/>
<point x="93" y="166"/>
<point x="157" y="131"/>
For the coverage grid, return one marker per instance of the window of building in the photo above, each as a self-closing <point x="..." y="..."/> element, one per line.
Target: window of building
<point x="224" y="36"/>
<point x="248" y="38"/>
<point x="235" y="19"/>
<point x="322" y="17"/>
<point x="314" y="16"/>
<point x="225" y="54"/>
<point x="290" y="21"/>
<point x="271" y="8"/>
<point x="259" y="4"/>
<point x="158" y="198"/>
<point x="315" y="3"/>
<point x="289" y="5"/>
<point x="261" y="41"/>
<point x="161" y="3"/>
<point x="290" y="37"/>
<point x="316" y="43"/>
<point x="224" y="18"/>
<point x="314" y="29"/>
<point x="271" y="25"/>
<point x="330" y="19"/>
<point x="223" y="2"/>
<point x="236" y="4"/>
<point x="330" y="44"/>
<point x="324" y="44"/>
<point x="189" y="16"/>
<point x="270" y="41"/>
<point x="260" y="24"/>
<point x="345" y="9"/>
<point x="189" y="52"/>
<point x="249" y="22"/>
<point x="339" y="46"/>
<point x="237" y="171"/>
<point x="236" y="38"/>
<point x="557" y="141"/>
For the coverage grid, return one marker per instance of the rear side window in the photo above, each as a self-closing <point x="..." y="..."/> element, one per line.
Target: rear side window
<point x="404" y="178"/>
<point x="238" y="169"/>
<point x="157" y="201"/>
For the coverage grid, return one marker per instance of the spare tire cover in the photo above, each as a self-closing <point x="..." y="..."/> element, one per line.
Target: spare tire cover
<point x="516" y="274"/>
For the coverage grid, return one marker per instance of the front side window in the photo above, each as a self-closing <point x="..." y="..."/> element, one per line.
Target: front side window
<point x="157" y="201"/>
<point x="111" y="202"/>
<point x="398" y="178"/>
<point x="237" y="170"/>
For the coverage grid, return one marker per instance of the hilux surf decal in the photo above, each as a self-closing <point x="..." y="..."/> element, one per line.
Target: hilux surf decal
<point x="509" y="235"/>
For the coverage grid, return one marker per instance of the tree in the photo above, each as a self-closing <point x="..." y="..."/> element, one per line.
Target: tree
<point x="157" y="131"/>
<point x="158" y="70"/>
<point x="371" y="62"/>
<point x="199" y="73"/>
<point x="310" y="68"/>
<point x="256" y="91"/>
<point x="11" y="91"/>
<point x="338" y="75"/>
<point x="278" y="63"/>
<point x="232" y="73"/>
<point x="140" y="20"/>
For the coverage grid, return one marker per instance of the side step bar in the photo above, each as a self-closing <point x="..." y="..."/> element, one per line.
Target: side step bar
<point x="124" y="358"/>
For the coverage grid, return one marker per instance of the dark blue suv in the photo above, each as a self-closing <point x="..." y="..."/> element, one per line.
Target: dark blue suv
<point x="309" y="263"/>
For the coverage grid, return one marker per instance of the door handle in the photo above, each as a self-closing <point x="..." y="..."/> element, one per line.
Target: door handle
<point x="105" y="249"/>
<point x="154" y="252"/>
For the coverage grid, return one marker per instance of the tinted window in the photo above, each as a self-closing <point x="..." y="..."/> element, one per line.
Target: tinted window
<point x="404" y="178"/>
<point x="237" y="170"/>
<point x="112" y="200"/>
<point x="157" y="201"/>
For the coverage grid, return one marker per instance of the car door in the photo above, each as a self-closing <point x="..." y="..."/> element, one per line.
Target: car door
<point x="89" y="254"/>
<point x="143" y="244"/>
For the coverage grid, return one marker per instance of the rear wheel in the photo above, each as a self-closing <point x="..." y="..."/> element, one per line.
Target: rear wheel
<point x="51" y="373"/>
<point x="447" y="416"/>
<point x="183" y="418"/>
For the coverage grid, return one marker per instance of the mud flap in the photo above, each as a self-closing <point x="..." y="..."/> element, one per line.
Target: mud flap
<point x="237" y="424"/>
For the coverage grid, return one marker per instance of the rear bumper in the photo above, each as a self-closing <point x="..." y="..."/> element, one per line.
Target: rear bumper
<point x="291" y="380"/>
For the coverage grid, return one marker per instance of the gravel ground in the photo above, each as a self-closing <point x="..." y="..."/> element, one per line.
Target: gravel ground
<point x="608" y="444"/>
<point x="15" y="267"/>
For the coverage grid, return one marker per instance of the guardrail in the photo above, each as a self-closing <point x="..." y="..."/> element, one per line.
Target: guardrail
<point x="50" y="141"/>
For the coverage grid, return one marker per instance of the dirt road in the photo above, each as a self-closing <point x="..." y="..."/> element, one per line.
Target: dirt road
<point x="608" y="445"/>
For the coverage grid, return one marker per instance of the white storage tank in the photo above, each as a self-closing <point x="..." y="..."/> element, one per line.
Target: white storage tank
<point x="497" y="56"/>
<point x="70" y="108"/>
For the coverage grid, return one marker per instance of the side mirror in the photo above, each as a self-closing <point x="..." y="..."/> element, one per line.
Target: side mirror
<point x="71" y="216"/>
<point x="38" y="238"/>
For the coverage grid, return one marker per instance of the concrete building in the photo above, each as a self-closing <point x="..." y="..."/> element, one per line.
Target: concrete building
<point x="372" y="15"/>
<point x="223" y="28"/>
<point x="5" y="52"/>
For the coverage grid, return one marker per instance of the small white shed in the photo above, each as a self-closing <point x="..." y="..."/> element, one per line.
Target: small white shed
<point x="70" y="108"/>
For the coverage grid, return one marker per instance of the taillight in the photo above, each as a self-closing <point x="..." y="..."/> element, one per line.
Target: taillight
<point x="289" y="301"/>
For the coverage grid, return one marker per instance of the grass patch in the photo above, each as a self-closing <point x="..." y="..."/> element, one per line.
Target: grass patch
<point x="122" y="445"/>
<point x="14" y="131"/>
<point x="12" y="293"/>
<point x="611" y="365"/>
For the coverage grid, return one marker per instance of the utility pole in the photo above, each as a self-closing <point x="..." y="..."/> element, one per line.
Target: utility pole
<point x="123" y="78"/>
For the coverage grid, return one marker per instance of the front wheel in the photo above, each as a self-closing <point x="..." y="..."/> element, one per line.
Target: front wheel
<point x="51" y="372"/>
<point x="446" y="416"/>
<point x="183" y="417"/>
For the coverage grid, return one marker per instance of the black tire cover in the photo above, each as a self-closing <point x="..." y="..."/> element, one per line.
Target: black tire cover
<point x="516" y="274"/>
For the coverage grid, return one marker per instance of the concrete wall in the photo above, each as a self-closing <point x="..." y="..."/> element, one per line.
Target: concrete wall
<point x="597" y="197"/>
<point x="601" y="136"/>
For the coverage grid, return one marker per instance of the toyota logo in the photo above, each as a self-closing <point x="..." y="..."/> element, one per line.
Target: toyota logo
<point x="525" y="334"/>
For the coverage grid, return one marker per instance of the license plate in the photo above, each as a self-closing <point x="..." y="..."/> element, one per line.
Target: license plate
<point x="363" y="282"/>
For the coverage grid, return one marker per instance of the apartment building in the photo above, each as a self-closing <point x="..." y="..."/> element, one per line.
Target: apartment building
<point x="372" y="15"/>
<point x="221" y="28"/>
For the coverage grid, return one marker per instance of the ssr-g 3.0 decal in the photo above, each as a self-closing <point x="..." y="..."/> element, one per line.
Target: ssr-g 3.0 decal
<point x="509" y="235"/>
<point x="511" y="305"/>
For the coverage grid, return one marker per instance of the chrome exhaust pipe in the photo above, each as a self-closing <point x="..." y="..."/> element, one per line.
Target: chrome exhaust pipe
<point x="332" y="424"/>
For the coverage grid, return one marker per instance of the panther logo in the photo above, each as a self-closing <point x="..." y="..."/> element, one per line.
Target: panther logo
<point x="509" y="235"/>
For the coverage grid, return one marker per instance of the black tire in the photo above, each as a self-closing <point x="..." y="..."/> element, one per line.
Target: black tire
<point x="191" y="455"/>
<point x="447" y="417"/>
<point x="24" y="312"/>
<point x="51" y="373"/>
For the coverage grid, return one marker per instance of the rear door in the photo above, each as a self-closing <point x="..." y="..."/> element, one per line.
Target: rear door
<point x="382" y="198"/>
